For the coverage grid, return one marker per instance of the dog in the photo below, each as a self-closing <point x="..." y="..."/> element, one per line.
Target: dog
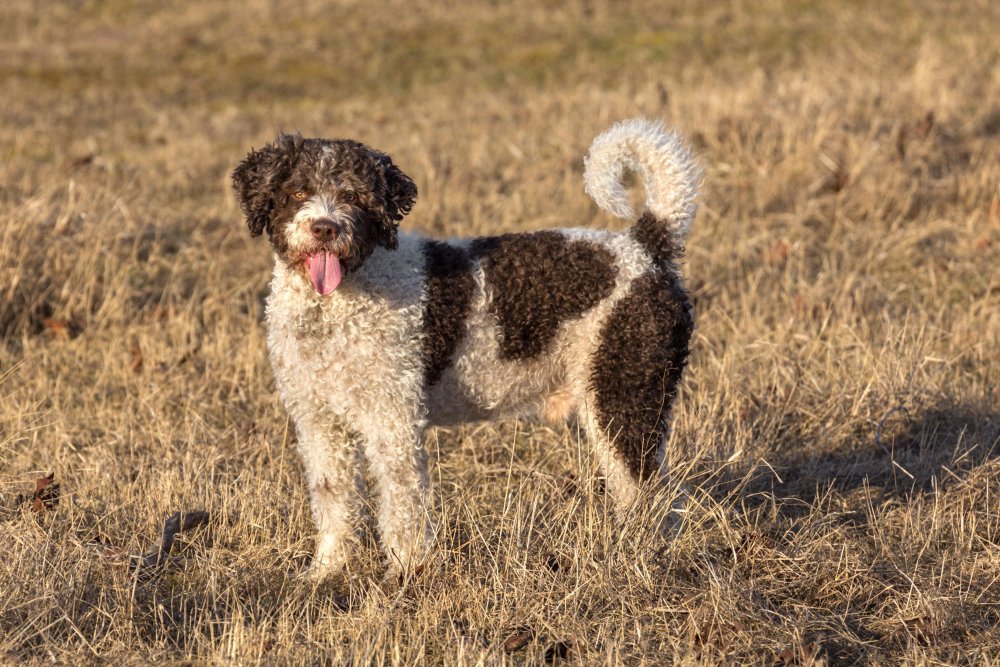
<point x="374" y="333"/>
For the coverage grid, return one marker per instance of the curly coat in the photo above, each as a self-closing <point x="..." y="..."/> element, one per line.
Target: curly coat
<point x="374" y="334"/>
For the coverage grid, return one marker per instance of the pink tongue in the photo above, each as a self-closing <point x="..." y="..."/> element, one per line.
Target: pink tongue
<point x="324" y="271"/>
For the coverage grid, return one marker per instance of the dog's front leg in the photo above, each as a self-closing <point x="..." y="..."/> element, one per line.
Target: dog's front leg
<point x="330" y="458"/>
<point x="396" y="459"/>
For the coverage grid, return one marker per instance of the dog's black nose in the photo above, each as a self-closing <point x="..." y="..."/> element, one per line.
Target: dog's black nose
<point x="324" y="229"/>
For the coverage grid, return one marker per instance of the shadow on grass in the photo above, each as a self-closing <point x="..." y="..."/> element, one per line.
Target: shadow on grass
<point x="233" y="619"/>
<point x="908" y="451"/>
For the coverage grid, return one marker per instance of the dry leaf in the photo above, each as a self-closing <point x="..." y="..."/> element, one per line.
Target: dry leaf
<point x="804" y="656"/>
<point x="46" y="495"/>
<point x="78" y="162"/>
<point x="56" y="328"/>
<point x="777" y="253"/>
<point x="518" y="640"/>
<point x="924" y="127"/>
<point x="59" y="328"/>
<point x="137" y="360"/>
<point x="836" y="181"/>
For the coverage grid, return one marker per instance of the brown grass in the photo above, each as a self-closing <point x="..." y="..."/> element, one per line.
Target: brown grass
<point x="839" y="424"/>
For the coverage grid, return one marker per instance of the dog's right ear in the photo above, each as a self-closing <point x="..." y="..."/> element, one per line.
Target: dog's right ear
<point x="257" y="179"/>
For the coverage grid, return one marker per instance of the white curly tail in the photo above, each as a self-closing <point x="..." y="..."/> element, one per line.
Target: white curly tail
<point x="669" y="174"/>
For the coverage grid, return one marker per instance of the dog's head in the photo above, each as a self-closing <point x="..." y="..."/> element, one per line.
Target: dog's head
<point x="325" y="204"/>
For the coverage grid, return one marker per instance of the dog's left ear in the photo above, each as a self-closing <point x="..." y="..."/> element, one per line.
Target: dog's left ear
<point x="400" y="194"/>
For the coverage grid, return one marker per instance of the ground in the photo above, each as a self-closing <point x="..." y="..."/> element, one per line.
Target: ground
<point x="838" y="425"/>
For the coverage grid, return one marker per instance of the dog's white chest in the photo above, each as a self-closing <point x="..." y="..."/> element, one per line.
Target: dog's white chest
<point x="325" y="351"/>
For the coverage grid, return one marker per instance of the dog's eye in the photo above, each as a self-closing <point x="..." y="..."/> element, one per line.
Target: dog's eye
<point x="348" y="197"/>
<point x="299" y="195"/>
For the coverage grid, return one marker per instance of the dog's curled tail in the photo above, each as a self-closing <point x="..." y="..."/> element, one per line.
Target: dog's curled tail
<point x="669" y="175"/>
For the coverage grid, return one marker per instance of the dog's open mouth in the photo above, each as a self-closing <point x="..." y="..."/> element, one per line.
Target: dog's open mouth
<point x="324" y="271"/>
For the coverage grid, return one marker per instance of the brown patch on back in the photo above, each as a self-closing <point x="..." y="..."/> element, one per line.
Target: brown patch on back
<point x="538" y="281"/>
<point x="449" y="287"/>
<point x="638" y="365"/>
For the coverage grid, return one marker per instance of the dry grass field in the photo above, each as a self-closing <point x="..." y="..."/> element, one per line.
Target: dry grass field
<point x="839" y="425"/>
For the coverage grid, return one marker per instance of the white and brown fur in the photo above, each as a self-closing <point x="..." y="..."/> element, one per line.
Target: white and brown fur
<point x="564" y="324"/>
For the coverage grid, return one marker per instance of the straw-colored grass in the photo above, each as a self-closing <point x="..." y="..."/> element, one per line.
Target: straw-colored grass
<point x="839" y="422"/>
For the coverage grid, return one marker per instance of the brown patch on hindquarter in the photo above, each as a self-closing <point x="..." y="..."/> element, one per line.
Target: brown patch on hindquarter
<point x="538" y="281"/>
<point x="638" y="365"/>
<point x="449" y="287"/>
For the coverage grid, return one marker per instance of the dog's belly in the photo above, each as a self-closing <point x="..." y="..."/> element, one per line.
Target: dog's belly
<point x="479" y="385"/>
<point x="450" y="404"/>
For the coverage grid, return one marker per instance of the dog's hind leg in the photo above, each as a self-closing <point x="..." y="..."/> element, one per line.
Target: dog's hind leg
<point x="634" y="373"/>
<point x="631" y="482"/>
<point x="624" y="480"/>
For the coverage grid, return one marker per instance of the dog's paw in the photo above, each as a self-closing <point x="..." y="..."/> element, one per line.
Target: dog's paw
<point x="412" y="569"/>
<point x="396" y="579"/>
<point x="319" y="571"/>
<point x="312" y="574"/>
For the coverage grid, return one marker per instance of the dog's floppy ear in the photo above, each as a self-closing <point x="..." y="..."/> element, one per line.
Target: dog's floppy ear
<point x="257" y="178"/>
<point x="400" y="194"/>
